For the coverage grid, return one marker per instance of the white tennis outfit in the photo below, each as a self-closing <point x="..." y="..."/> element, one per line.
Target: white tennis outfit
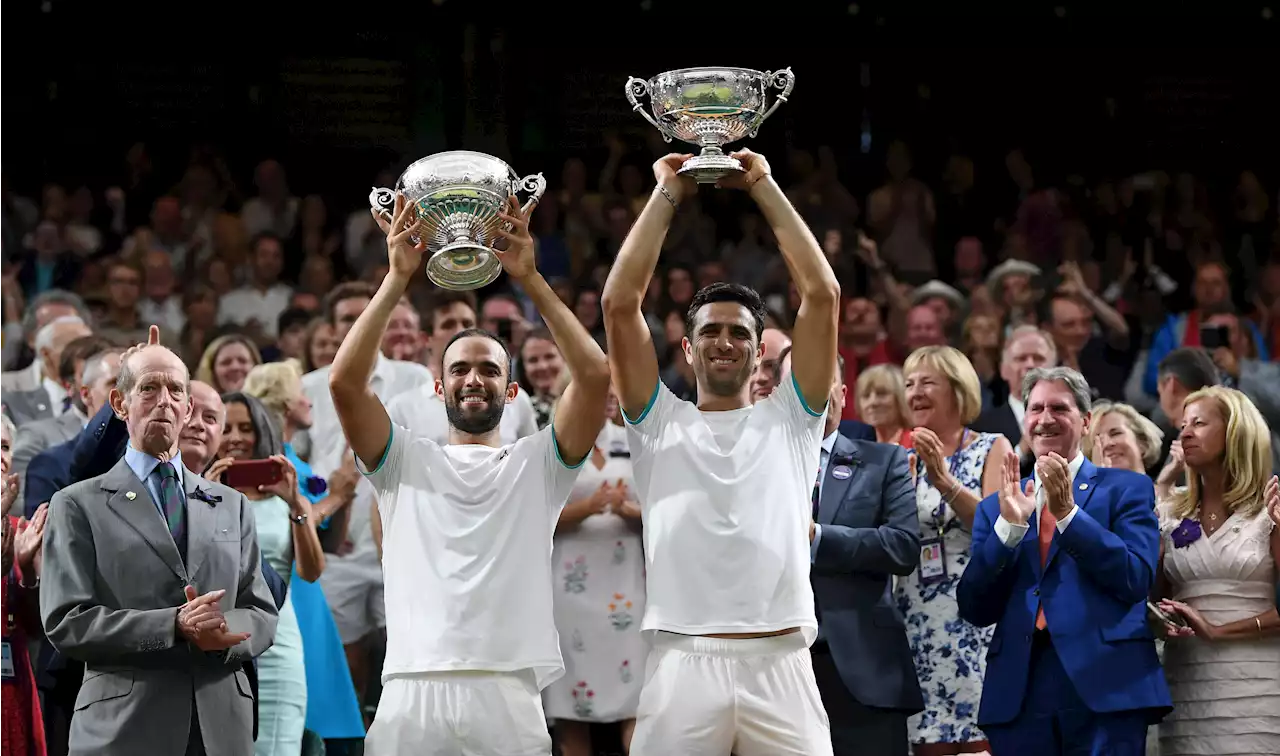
<point x="726" y="505"/>
<point x="471" y="638"/>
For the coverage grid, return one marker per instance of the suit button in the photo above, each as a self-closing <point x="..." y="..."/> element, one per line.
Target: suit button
<point x="1036" y="592"/>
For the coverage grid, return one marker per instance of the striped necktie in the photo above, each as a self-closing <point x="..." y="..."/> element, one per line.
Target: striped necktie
<point x="173" y="503"/>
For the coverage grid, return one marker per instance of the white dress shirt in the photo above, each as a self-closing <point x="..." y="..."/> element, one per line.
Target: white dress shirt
<point x="1011" y="534"/>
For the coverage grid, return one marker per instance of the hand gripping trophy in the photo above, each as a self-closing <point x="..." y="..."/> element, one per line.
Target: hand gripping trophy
<point x="457" y="195"/>
<point x="709" y="107"/>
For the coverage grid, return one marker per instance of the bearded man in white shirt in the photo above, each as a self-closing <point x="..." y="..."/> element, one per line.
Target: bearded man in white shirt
<point x="725" y="488"/>
<point x="471" y="640"/>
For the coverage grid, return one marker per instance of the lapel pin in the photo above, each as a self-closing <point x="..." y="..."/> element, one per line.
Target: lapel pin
<point x="1084" y="486"/>
<point x="130" y="495"/>
<point x="842" y="472"/>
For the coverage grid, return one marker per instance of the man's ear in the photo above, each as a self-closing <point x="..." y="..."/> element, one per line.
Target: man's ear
<point x="116" y="400"/>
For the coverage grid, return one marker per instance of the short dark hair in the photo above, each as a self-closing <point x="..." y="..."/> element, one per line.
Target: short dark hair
<point x="482" y="333"/>
<point x="262" y="236"/>
<point x="343" y="292"/>
<point x="80" y="350"/>
<point x="294" y="317"/>
<point x="1190" y="366"/>
<point x="54" y="296"/>
<point x="727" y="292"/>
<point x="441" y="299"/>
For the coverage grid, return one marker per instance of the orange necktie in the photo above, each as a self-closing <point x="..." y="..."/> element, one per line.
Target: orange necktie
<point x="1047" y="524"/>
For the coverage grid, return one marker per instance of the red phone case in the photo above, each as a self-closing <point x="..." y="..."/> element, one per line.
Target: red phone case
<point x="252" y="473"/>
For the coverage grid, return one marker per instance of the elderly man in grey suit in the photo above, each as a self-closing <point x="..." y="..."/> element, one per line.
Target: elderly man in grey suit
<point x="152" y="578"/>
<point x="865" y="531"/>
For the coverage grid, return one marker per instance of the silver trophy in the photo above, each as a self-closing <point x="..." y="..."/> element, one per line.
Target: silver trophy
<point x="709" y="107"/>
<point x="457" y="195"/>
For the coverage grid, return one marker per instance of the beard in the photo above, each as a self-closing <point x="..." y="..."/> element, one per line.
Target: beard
<point x="475" y="422"/>
<point x="726" y="385"/>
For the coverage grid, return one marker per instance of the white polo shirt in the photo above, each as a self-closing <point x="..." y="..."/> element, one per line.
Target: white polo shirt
<point x="727" y="501"/>
<point x="466" y="554"/>
<point x="422" y="412"/>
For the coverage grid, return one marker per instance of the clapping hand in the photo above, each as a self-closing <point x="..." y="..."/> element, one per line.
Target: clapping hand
<point x="754" y="168"/>
<point x="404" y="256"/>
<point x="1016" y="501"/>
<point x="518" y="258"/>
<point x="28" y="543"/>
<point x="9" y="494"/>
<point x="1055" y="475"/>
<point x="928" y="448"/>
<point x="624" y="504"/>
<point x="1197" y="625"/>
<point x="1272" y="497"/>
<point x="600" y="500"/>
<point x="201" y="622"/>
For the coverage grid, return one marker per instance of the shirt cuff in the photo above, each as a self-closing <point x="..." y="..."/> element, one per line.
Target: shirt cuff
<point x="1010" y="534"/>
<point x="813" y="547"/>
<point x="1065" y="521"/>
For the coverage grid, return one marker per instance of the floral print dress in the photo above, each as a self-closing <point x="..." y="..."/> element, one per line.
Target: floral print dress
<point x="950" y="654"/>
<point x="599" y="601"/>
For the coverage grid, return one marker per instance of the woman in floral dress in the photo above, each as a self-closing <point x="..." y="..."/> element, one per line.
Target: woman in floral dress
<point x="599" y="597"/>
<point x="949" y="463"/>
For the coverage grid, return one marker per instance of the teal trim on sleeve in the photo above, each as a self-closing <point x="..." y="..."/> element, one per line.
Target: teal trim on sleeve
<point x="391" y="438"/>
<point x="559" y="458"/>
<point x="800" y="396"/>
<point x="645" y="412"/>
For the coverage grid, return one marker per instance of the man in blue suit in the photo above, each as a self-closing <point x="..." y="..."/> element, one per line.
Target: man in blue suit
<point x="1062" y="563"/>
<point x="865" y="531"/>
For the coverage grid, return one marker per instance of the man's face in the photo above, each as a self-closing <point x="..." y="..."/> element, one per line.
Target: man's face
<point x="98" y="393"/>
<point x="201" y="437"/>
<point x="1210" y="287"/>
<point x="158" y="406"/>
<point x="49" y="312"/>
<point x="1021" y="356"/>
<point x="1071" y="324"/>
<point x="124" y="286"/>
<point x="722" y="348"/>
<point x="924" y="328"/>
<point x="158" y="275"/>
<point x="1017" y="290"/>
<point x="1054" y="423"/>
<point x="941" y="310"/>
<point x="293" y="341"/>
<point x="63" y="334"/>
<point x="268" y="260"/>
<point x="345" y="312"/>
<point x="447" y="322"/>
<point x="495" y="312"/>
<point x="768" y="372"/>
<point x="403" y="338"/>
<point x="475" y="385"/>
<point x="1172" y="394"/>
<point x="862" y="319"/>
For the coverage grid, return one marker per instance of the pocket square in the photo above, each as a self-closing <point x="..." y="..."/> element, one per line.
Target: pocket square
<point x="205" y="496"/>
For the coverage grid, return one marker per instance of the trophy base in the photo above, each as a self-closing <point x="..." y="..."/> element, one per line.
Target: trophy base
<point x="710" y="168"/>
<point x="463" y="266"/>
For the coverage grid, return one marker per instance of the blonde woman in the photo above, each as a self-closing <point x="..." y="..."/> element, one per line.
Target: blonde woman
<point x="1218" y="572"/>
<point x="954" y="468"/>
<point x="881" y="394"/>
<point x="1120" y="437"/>
<point x="333" y="712"/>
<point x="226" y="362"/>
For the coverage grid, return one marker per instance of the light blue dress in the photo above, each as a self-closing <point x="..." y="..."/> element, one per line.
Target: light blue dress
<point x="333" y="711"/>
<point x="282" y="679"/>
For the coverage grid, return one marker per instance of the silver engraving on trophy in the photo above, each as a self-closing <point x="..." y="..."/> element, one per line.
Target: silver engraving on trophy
<point x="458" y="195"/>
<point x="709" y="107"/>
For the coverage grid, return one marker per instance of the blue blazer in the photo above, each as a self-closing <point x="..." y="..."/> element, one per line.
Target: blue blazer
<point x="870" y="532"/>
<point x="858" y="431"/>
<point x="1094" y="588"/>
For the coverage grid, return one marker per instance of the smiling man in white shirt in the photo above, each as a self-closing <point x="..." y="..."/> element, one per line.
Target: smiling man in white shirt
<point x="725" y="489"/>
<point x="471" y="640"/>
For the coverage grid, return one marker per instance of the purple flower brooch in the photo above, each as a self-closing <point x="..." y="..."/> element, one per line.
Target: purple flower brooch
<point x="1187" y="533"/>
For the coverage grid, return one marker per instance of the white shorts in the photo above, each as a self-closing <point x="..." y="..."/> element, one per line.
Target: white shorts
<point x="353" y="587"/>
<point x="716" y="696"/>
<point x="460" y="714"/>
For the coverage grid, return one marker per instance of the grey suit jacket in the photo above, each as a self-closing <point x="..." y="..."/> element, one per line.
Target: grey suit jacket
<point x="23" y="379"/>
<point x="109" y="593"/>
<point x="24" y="407"/>
<point x="37" y="436"/>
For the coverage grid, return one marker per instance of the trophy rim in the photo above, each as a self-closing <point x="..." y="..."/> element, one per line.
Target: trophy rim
<point x="735" y="69"/>
<point x="447" y="153"/>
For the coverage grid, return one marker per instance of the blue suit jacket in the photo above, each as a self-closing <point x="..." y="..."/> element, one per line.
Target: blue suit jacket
<point x="870" y="532"/>
<point x="858" y="431"/>
<point x="47" y="473"/>
<point x="1094" y="588"/>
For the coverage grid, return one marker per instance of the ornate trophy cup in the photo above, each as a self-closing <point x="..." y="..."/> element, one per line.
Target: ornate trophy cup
<point x="709" y="107"/>
<point x="457" y="195"/>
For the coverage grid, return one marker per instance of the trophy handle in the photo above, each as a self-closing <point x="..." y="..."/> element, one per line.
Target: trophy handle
<point x="784" y="80"/>
<point x="535" y="184"/>
<point x="636" y="88"/>
<point x="383" y="201"/>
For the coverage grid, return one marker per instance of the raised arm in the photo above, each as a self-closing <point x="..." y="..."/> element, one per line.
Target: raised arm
<point x="364" y="420"/>
<point x="580" y="412"/>
<point x="813" y="352"/>
<point x="631" y="355"/>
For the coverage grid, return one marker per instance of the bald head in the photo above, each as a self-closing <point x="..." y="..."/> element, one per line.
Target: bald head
<point x="767" y="374"/>
<point x="202" y="436"/>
